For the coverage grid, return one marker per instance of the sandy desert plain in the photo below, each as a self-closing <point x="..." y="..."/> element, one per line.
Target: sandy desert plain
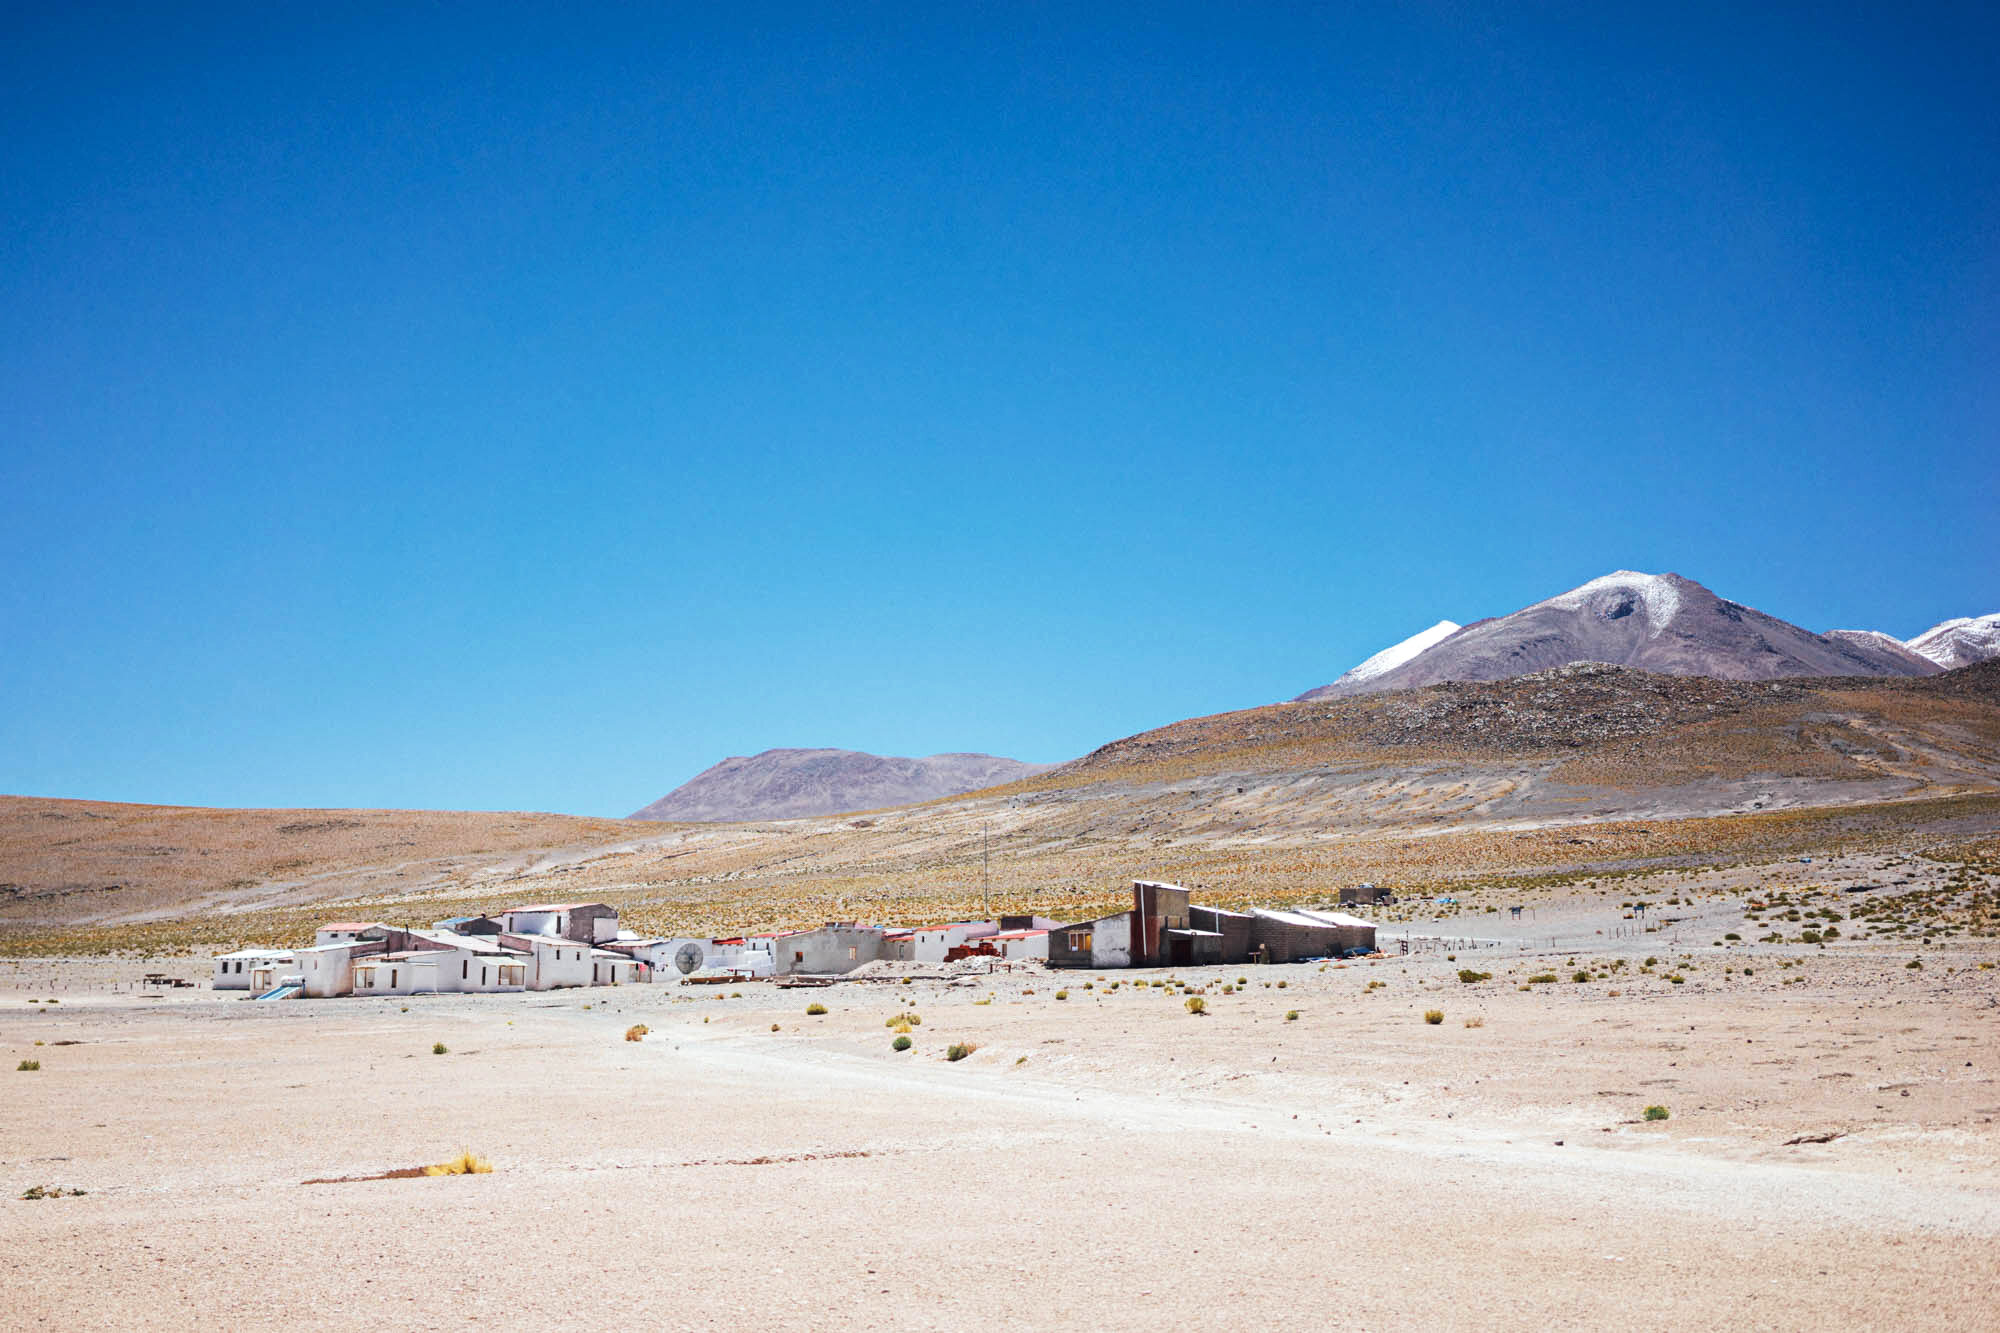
<point x="1823" y="1035"/>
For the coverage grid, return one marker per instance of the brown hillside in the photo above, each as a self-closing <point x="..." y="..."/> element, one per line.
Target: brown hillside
<point x="1583" y="770"/>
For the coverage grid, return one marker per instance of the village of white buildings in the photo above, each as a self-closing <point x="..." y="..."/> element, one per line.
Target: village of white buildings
<point x="555" y="945"/>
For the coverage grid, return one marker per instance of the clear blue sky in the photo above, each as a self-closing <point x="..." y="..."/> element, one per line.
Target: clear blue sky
<point x="469" y="407"/>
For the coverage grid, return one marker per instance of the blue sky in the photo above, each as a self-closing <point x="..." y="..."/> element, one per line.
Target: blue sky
<point x="462" y="407"/>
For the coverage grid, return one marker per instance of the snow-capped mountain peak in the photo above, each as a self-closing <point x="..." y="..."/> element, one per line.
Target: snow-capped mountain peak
<point x="1959" y="642"/>
<point x="1658" y="593"/>
<point x="1396" y="654"/>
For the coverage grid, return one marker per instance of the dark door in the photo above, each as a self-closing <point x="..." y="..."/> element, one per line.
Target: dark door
<point x="1182" y="950"/>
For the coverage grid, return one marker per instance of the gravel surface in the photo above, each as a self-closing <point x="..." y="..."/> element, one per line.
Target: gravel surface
<point x="1107" y="1160"/>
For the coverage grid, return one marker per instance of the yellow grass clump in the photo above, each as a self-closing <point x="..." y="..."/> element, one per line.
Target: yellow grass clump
<point x="465" y="1164"/>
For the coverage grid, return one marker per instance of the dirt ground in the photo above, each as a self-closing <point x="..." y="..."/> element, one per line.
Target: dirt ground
<point x="1106" y="1159"/>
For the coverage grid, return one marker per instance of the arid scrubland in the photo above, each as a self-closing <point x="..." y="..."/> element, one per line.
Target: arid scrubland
<point x="1697" y="1017"/>
<point x="1489" y="791"/>
<point x="1540" y="1127"/>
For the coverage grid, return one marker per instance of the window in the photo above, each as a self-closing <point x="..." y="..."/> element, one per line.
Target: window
<point x="852" y="953"/>
<point x="464" y="968"/>
<point x="392" y="978"/>
<point x="1079" y="940"/>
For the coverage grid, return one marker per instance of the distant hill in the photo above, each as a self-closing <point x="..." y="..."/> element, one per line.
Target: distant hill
<point x="790" y="784"/>
<point x="1875" y="641"/>
<point x="1651" y="622"/>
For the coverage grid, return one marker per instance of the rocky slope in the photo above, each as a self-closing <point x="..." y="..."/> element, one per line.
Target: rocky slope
<point x="1653" y="622"/>
<point x="788" y="784"/>
<point x="1875" y="641"/>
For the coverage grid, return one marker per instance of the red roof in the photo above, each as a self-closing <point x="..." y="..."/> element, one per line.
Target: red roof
<point x="351" y="925"/>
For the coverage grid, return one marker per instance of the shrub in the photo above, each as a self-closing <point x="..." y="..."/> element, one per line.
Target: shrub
<point x="1433" y="1016"/>
<point x="1732" y="935"/>
<point x="1468" y="976"/>
<point x="774" y="1027"/>
<point x="437" y="1048"/>
<point x="1242" y="981"/>
<point x="1579" y="977"/>
<point x="1676" y="978"/>
<point x="1656" y="1113"/>
<point x="465" y="1164"/>
<point x="1281" y="985"/>
<point x="1916" y="963"/>
<point x="1540" y="978"/>
<point x="27" y="1066"/>
<point x="958" y="1050"/>
<point x="1229" y="990"/>
<point x="815" y="1008"/>
<point x="1475" y="1022"/>
<point x="1197" y="1005"/>
<point x="1291" y="1015"/>
<point x="638" y="1031"/>
<point x="900" y="1044"/>
<point x="1062" y="995"/>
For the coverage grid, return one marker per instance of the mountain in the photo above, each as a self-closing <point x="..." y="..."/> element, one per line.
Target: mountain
<point x="1390" y="658"/>
<point x="788" y="784"/>
<point x="1653" y="622"/>
<point x="1961" y="642"/>
<point x="1874" y="640"/>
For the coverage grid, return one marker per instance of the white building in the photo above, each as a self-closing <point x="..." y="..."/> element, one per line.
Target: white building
<point x="837" y="946"/>
<point x="240" y="970"/>
<point x="343" y="932"/>
<point x="553" y="962"/>
<point x="587" y="923"/>
<point x="432" y="971"/>
<point x="328" y="969"/>
<point x="608" y="967"/>
<point x="1021" y="944"/>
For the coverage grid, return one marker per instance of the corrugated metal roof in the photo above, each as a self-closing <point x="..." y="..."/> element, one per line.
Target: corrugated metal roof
<point x="1290" y="918"/>
<point x="1338" y="919"/>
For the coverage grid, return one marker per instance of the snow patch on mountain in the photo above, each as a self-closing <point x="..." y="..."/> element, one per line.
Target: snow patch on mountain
<point x="1869" y="635"/>
<point x="1657" y="591"/>
<point x="1960" y="642"/>
<point x="1396" y="654"/>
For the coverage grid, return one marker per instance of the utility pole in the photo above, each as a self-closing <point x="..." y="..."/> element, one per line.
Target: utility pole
<point x="985" y="870"/>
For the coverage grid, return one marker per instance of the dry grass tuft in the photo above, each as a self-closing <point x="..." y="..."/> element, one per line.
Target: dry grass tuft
<point x="465" y="1164"/>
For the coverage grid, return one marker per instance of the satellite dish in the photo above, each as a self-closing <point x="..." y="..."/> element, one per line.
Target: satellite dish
<point x="687" y="958"/>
